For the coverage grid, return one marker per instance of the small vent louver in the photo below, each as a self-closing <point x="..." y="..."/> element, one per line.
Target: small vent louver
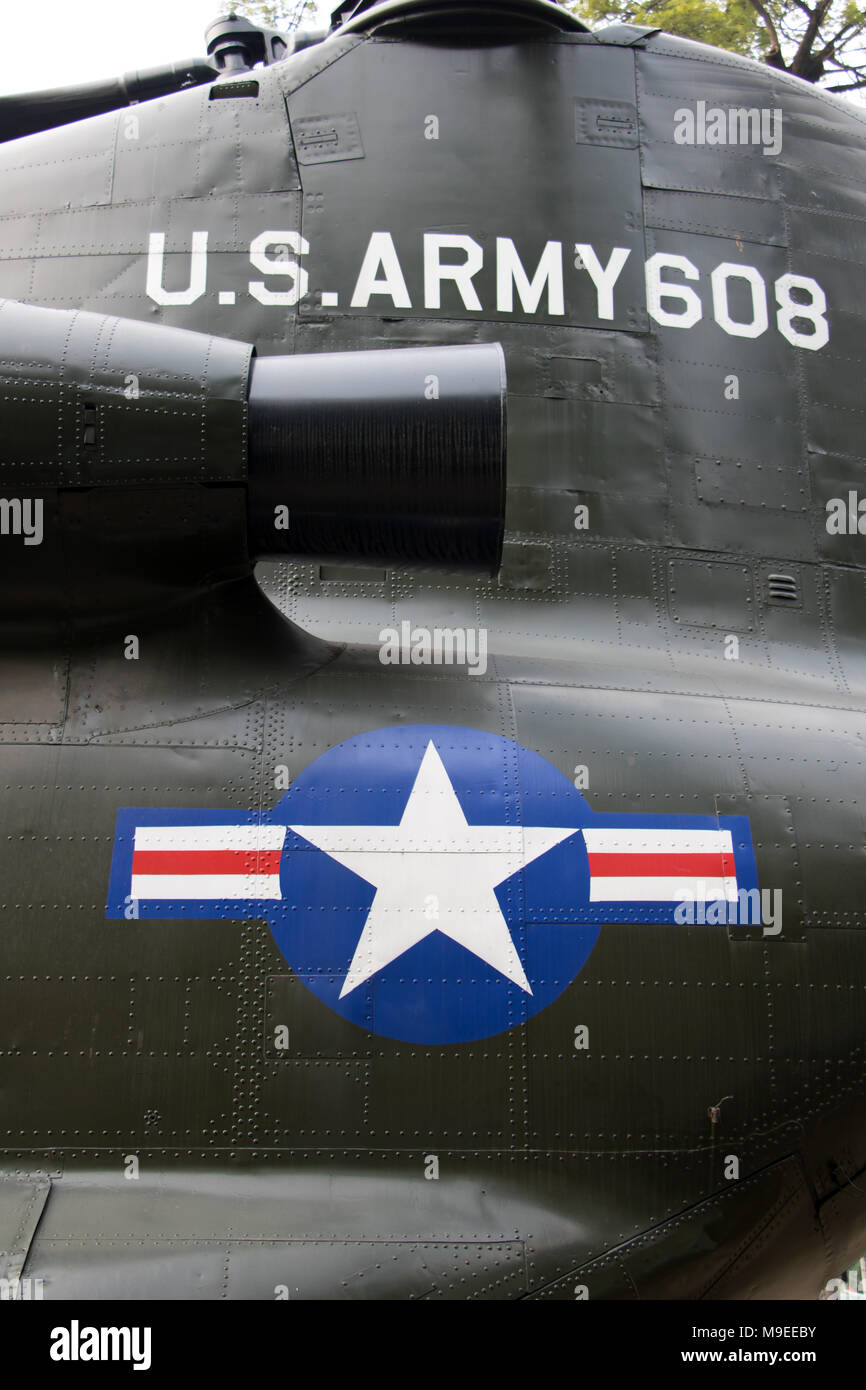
<point x="225" y="91"/>
<point x="782" y="588"/>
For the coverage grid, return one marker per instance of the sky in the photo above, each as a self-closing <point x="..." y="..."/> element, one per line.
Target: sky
<point x="64" y="42"/>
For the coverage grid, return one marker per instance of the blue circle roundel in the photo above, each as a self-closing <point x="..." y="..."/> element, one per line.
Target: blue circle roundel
<point x="430" y="875"/>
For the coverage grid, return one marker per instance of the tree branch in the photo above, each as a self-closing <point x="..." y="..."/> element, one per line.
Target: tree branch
<point x="853" y="25"/>
<point x="804" y="51"/>
<point x="764" y="14"/>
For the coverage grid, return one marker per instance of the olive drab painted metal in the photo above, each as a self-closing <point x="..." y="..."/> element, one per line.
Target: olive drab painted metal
<point x="672" y="664"/>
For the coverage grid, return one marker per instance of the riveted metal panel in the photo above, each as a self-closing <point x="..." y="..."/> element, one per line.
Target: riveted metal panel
<point x="717" y="214"/>
<point x="731" y="528"/>
<point x="837" y="480"/>
<point x="609" y="123"/>
<point x="774" y="837"/>
<point x="599" y="183"/>
<point x="22" y="1201"/>
<point x="711" y="594"/>
<point x="750" y="483"/>
<point x="714" y="1038"/>
<point x="327" y="139"/>
<point x="815" y="990"/>
<point x="797" y="756"/>
<point x="190" y="147"/>
<point x="667" y="85"/>
<point x="82" y="154"/>
<point x="34" y="700"/>
<point x="183" y="416"/>
<point x="832" y="829"/>
<point x="768" y="1221"/>
<point x="823" y="162"/>
<point x="632" y="745"/>
<point x="846" y="597"/>
<point x="527" y="566"/>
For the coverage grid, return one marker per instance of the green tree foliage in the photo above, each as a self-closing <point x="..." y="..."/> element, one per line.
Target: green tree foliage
<point x="275" y="14"/>
<point x="823" y="41"/>
<point x="736" y="27"/>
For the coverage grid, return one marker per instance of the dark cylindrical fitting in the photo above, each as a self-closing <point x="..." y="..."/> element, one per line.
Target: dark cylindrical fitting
<point x="393" y="456"/>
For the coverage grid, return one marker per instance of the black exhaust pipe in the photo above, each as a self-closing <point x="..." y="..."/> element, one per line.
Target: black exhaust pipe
<point x="396" y="457"/>
<point x="140" y="464"/>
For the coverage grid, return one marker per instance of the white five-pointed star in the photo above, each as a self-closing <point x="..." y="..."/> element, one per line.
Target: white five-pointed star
<point x="434" y="872"/>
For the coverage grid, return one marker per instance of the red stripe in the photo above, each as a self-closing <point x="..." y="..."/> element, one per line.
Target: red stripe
<point x="662" y="865"/>
<point x="206" y="861"/>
